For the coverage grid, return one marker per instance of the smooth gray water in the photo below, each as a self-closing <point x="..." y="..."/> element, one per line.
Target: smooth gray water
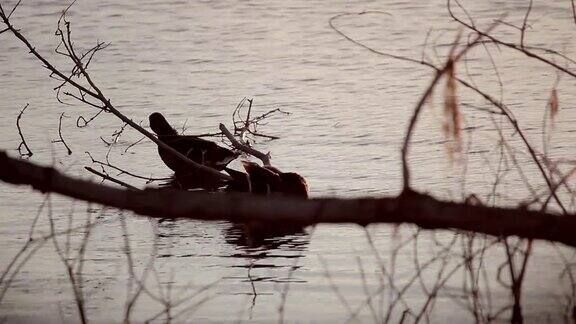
<point x="194" y="61"/>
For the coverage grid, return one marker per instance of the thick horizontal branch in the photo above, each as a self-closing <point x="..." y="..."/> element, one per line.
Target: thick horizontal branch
<point x="415" y="208"/>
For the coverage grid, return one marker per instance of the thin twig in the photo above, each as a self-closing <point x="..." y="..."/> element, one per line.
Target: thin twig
<point x="573" y="10"/>
<point x="524" y="23"/>
<point x="448" y="65"/>
<point x="265" y="158"/>
<point x="61" y="140"/>
<point x="122" y="171"/>
<point x="109" y="178"/>
<point x="23" y="142"/>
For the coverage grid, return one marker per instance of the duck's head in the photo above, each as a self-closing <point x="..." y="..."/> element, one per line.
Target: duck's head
<point x="262" y="177"/>
<point x="160" y="126"/>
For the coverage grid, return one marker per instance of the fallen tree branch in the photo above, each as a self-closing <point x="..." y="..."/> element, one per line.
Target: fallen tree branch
<point x="410" y="207"/>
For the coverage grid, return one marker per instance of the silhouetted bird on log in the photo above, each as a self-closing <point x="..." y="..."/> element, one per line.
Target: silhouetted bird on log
<point x="194" y="148"/>
<point x="265" y="180"/>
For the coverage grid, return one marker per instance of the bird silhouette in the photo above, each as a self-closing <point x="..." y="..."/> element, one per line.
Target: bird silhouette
<point x="266" y="180"/>
<point x="194" y="148"/>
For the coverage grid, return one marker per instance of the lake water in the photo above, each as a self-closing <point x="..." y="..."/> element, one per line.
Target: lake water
<point x="194" y="61"/>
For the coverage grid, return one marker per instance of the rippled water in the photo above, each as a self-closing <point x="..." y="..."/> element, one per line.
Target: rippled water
<point x="194" y="61"/>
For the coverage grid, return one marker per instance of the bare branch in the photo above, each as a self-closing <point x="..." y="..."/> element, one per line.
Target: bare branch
<point x="14" y="9"/>
<point x="265" y="158"/>
<point x="524" y="23"/>
<point x="61" y="140"/>
<point x="97" y="94"/>
<point x="28" y="152"/>
<point x="109" y="178"/>
<point x="512" y="120"/>
<point x="122" y="171"/>
<point x="439" y="73"/>
<point x="419" y="209"/>
<point x="573" y="10"/>
<point x="508" y="44"/>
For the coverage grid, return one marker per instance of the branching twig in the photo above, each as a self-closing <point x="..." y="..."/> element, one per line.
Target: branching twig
<point x="61" y="140"/>
<point x="122" y="171"/>
<point x="92" y="90"/>
<point x="249" y="125"/>
<point x="524" y="24"/>
<point x="109" y="178"/>
<point x="447" y="67"/>
<point x="265" y="158"/>
<point x="28" y="152"/>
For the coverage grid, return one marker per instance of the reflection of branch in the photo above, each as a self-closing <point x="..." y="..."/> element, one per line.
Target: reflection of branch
<point x="416" y="208"/>
<point x="61" y="140"/>
<point x="23" y="143"/>
<point x="74" y="265"/>
<point x="334" y="287"/>
<point x="13" y="267"/>
<point x="265" y="158"/>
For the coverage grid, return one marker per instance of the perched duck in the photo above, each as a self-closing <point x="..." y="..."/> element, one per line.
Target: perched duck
<point x="196" y="149"/>
<point x="264" y="181"/>
<point x="240" y="181"/>
<point x="268" y="179"/>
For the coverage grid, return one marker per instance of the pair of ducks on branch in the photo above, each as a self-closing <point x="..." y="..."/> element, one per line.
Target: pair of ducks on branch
<point x="260" y="180"/>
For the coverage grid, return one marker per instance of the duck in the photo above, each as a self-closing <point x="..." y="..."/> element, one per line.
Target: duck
<point x="239" y="183"/>
<point x="266" y="180"/>
<point x="196" y="149"/>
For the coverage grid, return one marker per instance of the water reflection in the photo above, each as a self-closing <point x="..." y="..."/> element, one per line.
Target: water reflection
<point x="266" y="238"/>
<point x="249" y="241"/>
<point x="267" y="247"/>
<point x="260" y="256"/>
